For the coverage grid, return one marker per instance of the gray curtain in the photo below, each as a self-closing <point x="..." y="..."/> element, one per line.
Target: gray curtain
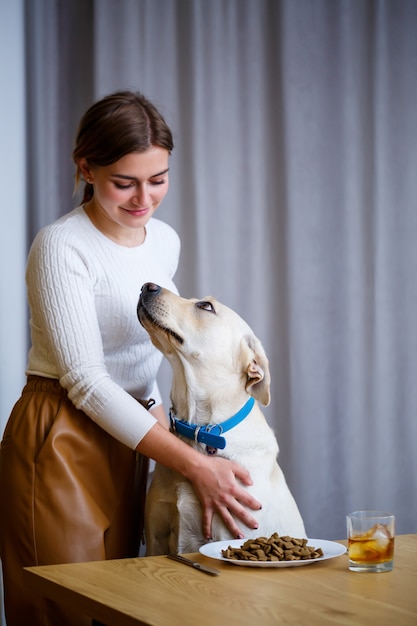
<point x="293" y="188"/>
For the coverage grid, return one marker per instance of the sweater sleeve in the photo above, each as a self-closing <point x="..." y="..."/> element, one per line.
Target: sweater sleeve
<point x="65" y="326"/>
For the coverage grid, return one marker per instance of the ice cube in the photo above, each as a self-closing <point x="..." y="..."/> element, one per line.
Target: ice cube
<point x="355" y="551"/>
<point x="381" y="535"/>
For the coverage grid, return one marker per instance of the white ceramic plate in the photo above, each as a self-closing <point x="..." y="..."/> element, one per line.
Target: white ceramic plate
<point x="331" y="549"/>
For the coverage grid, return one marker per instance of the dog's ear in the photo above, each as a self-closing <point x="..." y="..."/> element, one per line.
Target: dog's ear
<point x="256" y="365"/>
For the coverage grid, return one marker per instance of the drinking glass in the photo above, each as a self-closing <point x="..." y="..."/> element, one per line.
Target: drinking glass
<point x="371" y="541"/>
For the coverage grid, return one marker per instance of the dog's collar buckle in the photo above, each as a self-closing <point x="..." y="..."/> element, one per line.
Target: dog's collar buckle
<point x="211" y="434"/>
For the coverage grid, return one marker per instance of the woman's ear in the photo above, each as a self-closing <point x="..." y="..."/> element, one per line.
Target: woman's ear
<point x="85" y="170"/>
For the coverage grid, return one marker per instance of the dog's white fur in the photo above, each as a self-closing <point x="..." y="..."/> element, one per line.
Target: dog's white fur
<point x="216" y="362"/>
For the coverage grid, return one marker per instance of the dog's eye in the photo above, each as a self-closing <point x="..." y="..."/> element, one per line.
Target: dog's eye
<point x="206" y="305"/>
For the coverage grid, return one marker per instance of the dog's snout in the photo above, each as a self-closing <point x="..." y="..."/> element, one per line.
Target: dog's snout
<point x="148" y="293"/>
<point x="151" y="288"/>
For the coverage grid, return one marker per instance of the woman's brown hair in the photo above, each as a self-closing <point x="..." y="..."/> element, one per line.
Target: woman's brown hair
<point x="116" y="125"/>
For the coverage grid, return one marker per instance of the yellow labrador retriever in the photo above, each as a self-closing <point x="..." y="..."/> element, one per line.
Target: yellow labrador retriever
<point x="220" y="375"/>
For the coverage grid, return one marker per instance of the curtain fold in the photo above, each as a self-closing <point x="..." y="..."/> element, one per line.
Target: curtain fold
<point x="293" y="188"/>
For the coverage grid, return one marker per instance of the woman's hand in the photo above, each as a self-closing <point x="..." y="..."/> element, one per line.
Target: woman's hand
<point x="215" y="480"/>
<point x="217" y="487"/>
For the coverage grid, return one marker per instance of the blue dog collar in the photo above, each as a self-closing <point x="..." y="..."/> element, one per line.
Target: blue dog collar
<point x="210" y="434"/>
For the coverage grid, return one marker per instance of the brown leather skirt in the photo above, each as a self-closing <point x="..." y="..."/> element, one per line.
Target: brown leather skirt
<point x="69" y="492"/>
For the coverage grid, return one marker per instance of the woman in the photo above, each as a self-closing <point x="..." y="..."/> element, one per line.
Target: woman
<point x="72" y="471"/>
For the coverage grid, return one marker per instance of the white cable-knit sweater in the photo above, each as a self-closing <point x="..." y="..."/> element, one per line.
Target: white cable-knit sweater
<point x="83" y="291"/>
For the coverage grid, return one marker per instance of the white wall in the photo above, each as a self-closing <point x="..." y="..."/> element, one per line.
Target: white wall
<point x="13" y="325"/>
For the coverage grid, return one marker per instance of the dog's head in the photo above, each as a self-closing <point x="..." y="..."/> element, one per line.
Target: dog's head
<point x="214" y="344"/>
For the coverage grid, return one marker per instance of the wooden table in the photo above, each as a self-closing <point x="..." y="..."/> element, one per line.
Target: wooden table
<point x="157" y="591"/>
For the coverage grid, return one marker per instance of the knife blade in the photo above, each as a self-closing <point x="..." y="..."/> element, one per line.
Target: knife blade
<point x="195" y="564"/>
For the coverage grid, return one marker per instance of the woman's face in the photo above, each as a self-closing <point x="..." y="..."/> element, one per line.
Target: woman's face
<point x="127" y="193"/>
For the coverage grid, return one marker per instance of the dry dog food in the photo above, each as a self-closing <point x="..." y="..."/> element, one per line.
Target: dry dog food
<point x="274" y="548"/>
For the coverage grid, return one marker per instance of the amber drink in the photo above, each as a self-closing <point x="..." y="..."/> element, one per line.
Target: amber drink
<point x="371" y="541"/>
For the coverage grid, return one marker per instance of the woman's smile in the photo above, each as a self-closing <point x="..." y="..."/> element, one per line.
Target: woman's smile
<point x="137" y="212"/>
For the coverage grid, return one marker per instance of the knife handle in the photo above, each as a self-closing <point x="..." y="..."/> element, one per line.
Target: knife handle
<point x="194" y="564"/>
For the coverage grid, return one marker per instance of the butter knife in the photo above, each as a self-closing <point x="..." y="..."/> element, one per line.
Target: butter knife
<point x="195" y="564"/>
